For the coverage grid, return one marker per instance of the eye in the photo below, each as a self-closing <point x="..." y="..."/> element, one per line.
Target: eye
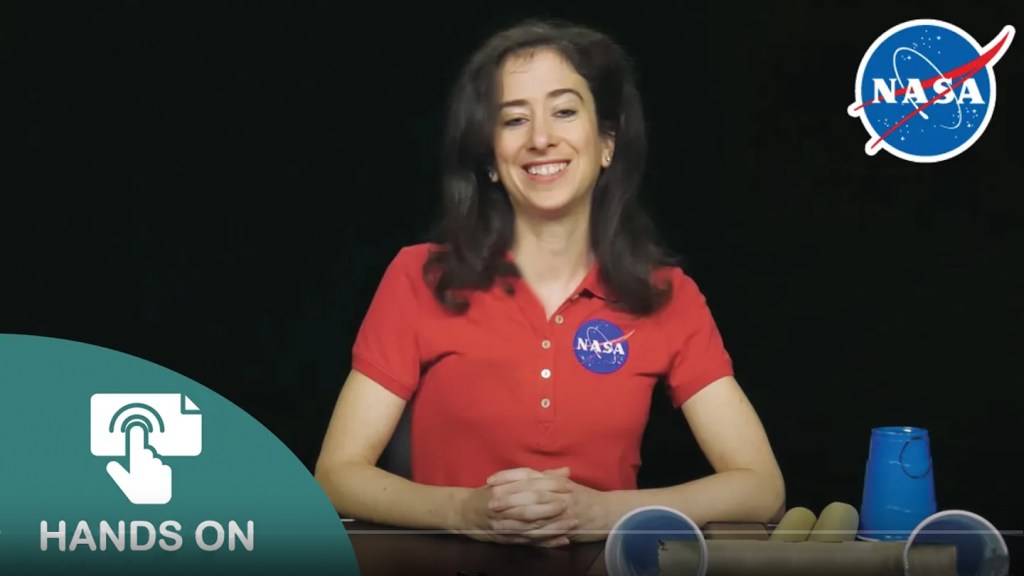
<point x="513" y="122"/>
<point x="565" y="113"/>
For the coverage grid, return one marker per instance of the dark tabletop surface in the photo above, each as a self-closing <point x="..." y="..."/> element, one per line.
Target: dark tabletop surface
<point x="389" y="551"/>
<point x="386" y="551"/>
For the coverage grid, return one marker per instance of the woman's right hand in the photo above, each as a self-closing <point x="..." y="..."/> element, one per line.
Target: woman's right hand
<point x="534" y="518"/>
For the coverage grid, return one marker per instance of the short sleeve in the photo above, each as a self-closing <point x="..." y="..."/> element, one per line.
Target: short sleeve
<point x="386" y="347"/>
<point x="698" y="354"/>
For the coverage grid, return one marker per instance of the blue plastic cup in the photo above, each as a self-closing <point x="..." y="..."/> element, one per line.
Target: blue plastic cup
<point x="899" y="489"/>
<point x="632" y="547"/>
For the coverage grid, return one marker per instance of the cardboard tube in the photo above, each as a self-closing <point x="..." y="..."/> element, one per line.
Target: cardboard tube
<point x="767" y="558"/>
<point x="795" y="526"/>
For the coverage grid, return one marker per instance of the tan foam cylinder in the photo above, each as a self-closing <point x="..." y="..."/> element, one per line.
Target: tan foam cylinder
<point x="766" y="558"/>
<point x="838" y="522"/>
<point x="795" y="526"/>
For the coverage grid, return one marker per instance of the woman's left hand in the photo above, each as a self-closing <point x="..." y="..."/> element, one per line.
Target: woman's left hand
<point x="584" y="505"/>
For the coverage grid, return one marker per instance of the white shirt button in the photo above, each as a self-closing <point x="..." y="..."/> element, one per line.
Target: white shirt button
<point x="545" y="403"/>
<point x="559" y="319"/>
<point x="545" y="373"/>
<point x="545" y="344"/>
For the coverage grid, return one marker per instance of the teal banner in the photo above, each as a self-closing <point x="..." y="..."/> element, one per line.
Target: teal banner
<point x="110" y="464"/>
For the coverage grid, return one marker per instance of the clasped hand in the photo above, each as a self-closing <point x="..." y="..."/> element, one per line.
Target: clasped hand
<point x="525" y="506"/>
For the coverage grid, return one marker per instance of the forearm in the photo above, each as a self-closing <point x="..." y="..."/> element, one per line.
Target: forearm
<point x="734" y="495"/>
<point x="365" y="492"/>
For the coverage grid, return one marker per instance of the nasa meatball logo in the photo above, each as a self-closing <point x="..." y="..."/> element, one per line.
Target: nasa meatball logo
<point x="601" y="346"/>
<point x="926" y="90"/>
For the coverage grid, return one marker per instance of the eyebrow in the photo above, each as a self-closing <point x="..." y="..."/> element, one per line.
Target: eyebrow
<point x="552" y="94"/>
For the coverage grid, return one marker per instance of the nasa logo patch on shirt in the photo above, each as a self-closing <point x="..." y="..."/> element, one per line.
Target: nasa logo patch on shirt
<point x="601" y="346"/>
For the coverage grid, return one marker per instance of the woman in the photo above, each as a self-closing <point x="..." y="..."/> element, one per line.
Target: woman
<point x="530" y="338"/>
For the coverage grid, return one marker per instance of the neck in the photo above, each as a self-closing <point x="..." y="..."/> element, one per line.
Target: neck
<point x="553" y="252"/>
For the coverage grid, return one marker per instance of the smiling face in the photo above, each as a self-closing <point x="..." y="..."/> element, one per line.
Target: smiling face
<point x="548" y="149"/>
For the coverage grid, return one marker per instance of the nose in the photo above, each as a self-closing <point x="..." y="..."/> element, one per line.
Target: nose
<point x="541" y="136"/>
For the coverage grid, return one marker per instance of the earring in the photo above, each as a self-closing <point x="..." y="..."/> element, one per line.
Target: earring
<point x="492" y="175"/>
<point x="607" y="160"/>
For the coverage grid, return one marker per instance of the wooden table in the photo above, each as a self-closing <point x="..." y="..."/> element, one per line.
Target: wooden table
<point x="387" y="551"/>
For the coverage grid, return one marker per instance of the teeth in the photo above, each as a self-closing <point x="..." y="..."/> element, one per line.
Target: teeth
<point x="547" y="169"/>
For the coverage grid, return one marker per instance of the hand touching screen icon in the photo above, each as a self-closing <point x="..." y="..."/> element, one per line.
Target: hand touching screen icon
<point x="142" y="429"/>
<point x="146" y="480"/>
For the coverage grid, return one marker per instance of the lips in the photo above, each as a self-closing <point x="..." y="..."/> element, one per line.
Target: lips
<point x="546" y="171"/>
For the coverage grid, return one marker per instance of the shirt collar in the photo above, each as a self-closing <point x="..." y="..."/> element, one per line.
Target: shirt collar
<point x="590" y="286"/>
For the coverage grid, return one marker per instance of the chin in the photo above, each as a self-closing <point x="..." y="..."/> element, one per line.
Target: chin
<point x="551" y="200"/>
<point x="550" y="207"/>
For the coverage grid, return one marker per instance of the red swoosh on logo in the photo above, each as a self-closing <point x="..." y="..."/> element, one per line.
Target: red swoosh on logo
<point x="622" y="338"/>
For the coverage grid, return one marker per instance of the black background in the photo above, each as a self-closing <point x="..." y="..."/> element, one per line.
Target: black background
<point x="217" y="187"/>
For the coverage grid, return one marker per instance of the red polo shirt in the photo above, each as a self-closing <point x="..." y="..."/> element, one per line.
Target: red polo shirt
<point x="502" y="386"/>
